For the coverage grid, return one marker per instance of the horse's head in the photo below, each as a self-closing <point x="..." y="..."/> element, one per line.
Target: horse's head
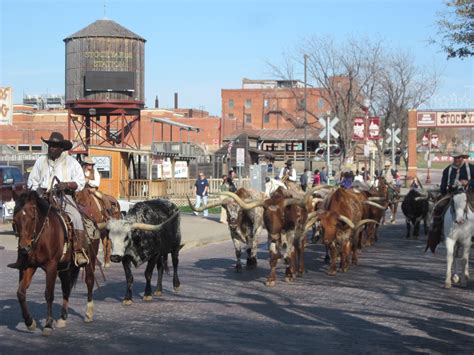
<point x="459" y="205"/>
<point x="26" y="217"/>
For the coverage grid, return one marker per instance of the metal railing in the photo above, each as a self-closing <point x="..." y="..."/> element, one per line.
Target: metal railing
<point x="169" y="188"/>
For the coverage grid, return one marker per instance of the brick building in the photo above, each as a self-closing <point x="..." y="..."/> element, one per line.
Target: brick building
<point x="272" y="107"/>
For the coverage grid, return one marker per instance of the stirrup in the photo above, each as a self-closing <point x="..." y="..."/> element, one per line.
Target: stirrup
<point x="84" y="255"/>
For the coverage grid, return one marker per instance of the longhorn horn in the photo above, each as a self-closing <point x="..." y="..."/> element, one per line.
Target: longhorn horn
<point x="147" y="227"/>
<point x="419" y="198"/>
<point x="379" y="199"/>
<point x="373" y="204"/>
<point x="309" y="223"/>
<point x="244" y="205"/>
<point x="361" y="223"/>
<point x="346" y="220"/>
<point x="202" y="208"/>
<point x="293" y="201"/>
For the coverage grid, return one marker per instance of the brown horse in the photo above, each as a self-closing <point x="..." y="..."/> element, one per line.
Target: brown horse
<point x="391" y="196"/>
<point x="95" y="209"/>
<point x="43" y="243"/>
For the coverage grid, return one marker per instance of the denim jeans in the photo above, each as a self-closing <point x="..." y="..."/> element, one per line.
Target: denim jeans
<point x="203" y="200"/>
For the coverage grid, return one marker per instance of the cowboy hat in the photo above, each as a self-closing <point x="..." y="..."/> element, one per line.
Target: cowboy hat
<point x="88" y="161"/>
<point x="58" y="140"/>
<point x="459" y="152"/>
<point x="289" y="162"/>
<point x="387" y="163"/>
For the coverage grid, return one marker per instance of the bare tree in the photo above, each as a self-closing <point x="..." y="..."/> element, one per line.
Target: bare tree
<point x="400" y="87"/>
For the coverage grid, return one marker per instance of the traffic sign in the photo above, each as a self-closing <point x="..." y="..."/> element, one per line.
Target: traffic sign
<point x="240" y="156"/>
<point x="395" y="133"/>
<point x="332" y="131"/>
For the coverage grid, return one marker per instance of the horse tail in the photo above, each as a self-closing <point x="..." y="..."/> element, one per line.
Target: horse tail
<point x="74" y="276"/>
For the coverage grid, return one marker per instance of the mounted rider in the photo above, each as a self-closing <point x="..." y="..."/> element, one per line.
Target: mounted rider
<point x="460" y="173"/>
<point x="390" y="180"/>
<point x="58" y="163"/>
<point x="92" y="177"/>
<point x="288" y="175"/>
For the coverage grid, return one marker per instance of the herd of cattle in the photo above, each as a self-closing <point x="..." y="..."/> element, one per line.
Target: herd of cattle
<point x="347" y="220"/>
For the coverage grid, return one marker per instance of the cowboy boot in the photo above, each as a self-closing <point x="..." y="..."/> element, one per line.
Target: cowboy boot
<point x="19" y="263"/>
<point x="80" y="247"/>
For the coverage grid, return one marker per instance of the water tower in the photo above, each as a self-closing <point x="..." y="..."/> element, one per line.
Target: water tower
<point x="105" y="71"/>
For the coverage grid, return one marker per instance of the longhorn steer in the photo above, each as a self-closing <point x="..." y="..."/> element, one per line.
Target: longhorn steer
<point x="341" y="223"/>
<point x="416" y="207"/>
<point x="149" y="232"/>
<point x="244" y="225"/>
<point x="285" y="220"/>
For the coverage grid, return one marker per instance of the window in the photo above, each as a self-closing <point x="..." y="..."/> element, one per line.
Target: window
<point x="248" y="103"/>
<point x="320" y="102"/>
<point x="230" y="116"/>
<point x="231" y="103"/>
<point x="265" y="103"/>
<point x="266" y="118"/>
<point x="248" y="118"/>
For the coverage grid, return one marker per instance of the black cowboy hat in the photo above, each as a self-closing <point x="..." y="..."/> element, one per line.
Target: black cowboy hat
<point x="289" y="162"/>
<point x="57" y="139"/>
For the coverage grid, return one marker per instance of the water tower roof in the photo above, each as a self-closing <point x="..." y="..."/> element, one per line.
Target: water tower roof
<point x="104" y="28"/>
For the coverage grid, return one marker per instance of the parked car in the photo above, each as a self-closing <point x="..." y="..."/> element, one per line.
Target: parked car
<point x="11" y="178"/>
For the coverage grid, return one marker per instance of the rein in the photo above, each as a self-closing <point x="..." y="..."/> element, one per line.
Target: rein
<point x="36" y="236"/>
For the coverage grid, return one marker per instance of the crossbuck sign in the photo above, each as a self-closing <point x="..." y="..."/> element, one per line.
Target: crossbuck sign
<point x="396" y="132"/>
<point x="332" y="131"/>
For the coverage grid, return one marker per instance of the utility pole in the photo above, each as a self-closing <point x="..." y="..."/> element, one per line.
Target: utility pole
<point x="428" y="163"/>
<point x="305" y="123"/>
<point x="393" y="145"/>
<point x="328" y="136"/>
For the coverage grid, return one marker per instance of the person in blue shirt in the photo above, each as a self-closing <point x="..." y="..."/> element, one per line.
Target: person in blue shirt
<point x="201" y="189"/>
<point x="458" y="174"/>
<point x="323" y="175"/>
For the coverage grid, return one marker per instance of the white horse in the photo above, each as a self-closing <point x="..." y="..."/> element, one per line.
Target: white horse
<point x="272" y="185"/>
<point x="458" y="228"/>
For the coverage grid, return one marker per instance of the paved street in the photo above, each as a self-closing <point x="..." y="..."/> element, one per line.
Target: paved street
<point x="393" y="302"/>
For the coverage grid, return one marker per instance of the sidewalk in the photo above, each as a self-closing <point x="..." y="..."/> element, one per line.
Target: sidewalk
<point x="195" y="231"/>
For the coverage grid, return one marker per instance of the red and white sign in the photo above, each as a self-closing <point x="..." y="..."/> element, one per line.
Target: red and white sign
<point x="374" y="128"/>
<point x="359" y="128"/>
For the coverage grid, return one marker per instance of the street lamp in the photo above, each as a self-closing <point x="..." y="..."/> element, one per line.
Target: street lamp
<point x="305" y="123"/>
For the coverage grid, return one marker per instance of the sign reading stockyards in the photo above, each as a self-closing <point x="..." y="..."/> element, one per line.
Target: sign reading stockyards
<point x="445" y="119"/>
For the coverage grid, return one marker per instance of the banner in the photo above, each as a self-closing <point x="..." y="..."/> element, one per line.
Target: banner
<point x="6" y="106"/>
<point x="374" y="128"/>
<point x="359" y="128"/>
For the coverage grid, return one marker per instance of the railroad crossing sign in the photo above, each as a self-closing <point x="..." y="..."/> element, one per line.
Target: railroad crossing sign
<point x="395" y="133"/>
<point x="332" y="131"/>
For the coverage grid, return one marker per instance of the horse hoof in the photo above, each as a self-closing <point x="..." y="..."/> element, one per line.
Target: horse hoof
<point x="332" y="272"/>
<point x="88" y="319"/>
<point x="299" y="274"/>
<point x="61" y="323"/>
<point x="238" y="268"/>
<point x="289" y="279"/>
<point x="127" y="302"/>
<point x="47" y="332"/>
<point x="157" y="293"/>
<point x="107" y="265"/>
<point x="447" y="285"/>
<point x="393" y="222"/>
<point x="32" y="326"/>
<point x="455" y="279"/>
<point x="147" y="298"/>
<point x="270" y="283"/>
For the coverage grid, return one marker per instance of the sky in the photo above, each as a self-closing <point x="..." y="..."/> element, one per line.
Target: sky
<point x="197" y="48"/>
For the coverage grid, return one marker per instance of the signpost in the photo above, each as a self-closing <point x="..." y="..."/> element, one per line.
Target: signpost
<point x="392" y="137"/>
<point x="328" y="131"/>
<point x="240" y="160"/>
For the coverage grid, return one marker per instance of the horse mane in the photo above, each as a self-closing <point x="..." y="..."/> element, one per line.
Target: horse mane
<point x="43" y="205"/>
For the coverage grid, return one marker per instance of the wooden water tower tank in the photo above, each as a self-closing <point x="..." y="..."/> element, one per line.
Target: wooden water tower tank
<point x="105" y="88"/>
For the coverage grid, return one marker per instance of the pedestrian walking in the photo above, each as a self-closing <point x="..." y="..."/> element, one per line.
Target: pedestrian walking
<point x="324" y="175"/>
<point x="316" y="178"/>
<point x="304" y="179"/>
<point x="201" y="189"/>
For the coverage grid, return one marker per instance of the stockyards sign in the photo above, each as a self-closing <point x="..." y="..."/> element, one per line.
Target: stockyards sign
<point x="445" y="119"/>
<point x="6" y="106"/>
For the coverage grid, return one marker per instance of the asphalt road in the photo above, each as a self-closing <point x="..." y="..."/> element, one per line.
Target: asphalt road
<point x="393" y="302"/>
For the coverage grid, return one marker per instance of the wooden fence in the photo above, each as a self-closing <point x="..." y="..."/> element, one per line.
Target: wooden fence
<point x="173" y="189"/>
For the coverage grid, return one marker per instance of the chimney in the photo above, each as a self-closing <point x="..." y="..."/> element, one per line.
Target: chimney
<point x="175" y="100"/>
<point x="157" y="102"/>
